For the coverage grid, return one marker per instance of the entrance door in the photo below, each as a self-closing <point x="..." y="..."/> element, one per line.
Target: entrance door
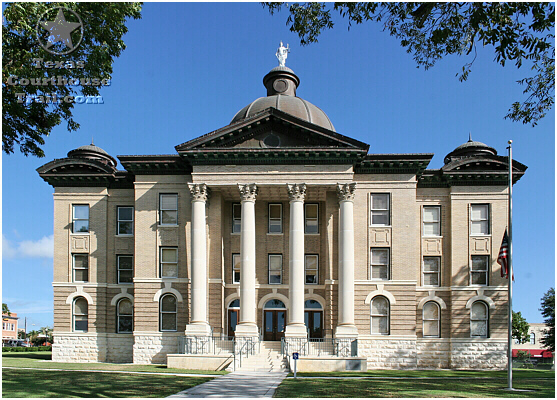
<point x="232" y="321"/>
<point x="314" y="323"/>
<point x="275" y="322"/>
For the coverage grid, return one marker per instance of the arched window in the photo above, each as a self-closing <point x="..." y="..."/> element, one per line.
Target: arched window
<point x="80" y="315"/>
<point x="124" y="311"/>
<point x="274" y="303"/>
<point x="532" y="338"/>
<point x="479" y="320"/>
<point x="431" y="319"/>
<point x="312" y="304"/>
<point x="234" y="304"/>
<point x="233" y="316"/>
<point x="380" y="314"/>
<point x="168" y="313"/>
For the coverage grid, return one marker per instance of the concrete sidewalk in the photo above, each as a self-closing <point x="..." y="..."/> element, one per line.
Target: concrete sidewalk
<point x="237" y="384"/>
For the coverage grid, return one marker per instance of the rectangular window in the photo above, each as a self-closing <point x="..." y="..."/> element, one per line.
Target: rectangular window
<point x="478" y="270"/>
<point x="432" y="221"/>
<point x="236" y="218"/>
<point x="275" y="218"/>
<point x="125" y="220"/>
<point x="312" y="269"/>
<point x="236" y="262"/>
<point x="168" y="209"/>
<point x="169" y="262"/>
<point x="80" y="218"/>
<point x="379" y="209"/>
<point x="379" y="269"/>
<point x="80" y="267"/>
<point x="479" y="219"/>
<point x="311" y="218"/>
<point x="431" y="268"/>
<point x="275" y="268"/>
<point x="125" y="269"/>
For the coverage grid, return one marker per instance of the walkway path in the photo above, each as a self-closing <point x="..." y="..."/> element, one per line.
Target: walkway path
<point x="237" y="384"/>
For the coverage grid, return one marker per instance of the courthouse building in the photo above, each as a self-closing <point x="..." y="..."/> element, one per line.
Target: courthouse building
<point x="276" y="228"/>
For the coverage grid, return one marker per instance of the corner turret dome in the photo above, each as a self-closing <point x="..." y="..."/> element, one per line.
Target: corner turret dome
<point x="92" y="152"/>
<point x="281" y="84"/>
<point x="470" y="149"/>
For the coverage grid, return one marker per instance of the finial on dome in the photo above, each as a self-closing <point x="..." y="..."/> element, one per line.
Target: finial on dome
<point x="92" y="142"/>
<point x="470" y="137"/>
<point x="282" y="54"/>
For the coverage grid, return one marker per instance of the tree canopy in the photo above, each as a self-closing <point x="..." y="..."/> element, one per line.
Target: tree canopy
<point x="520" y="328"/>
<point x="518" y="33"/>
<point x="43" y="80"/>
<point x="548" y="312"/>
<point x="5" y="309"/>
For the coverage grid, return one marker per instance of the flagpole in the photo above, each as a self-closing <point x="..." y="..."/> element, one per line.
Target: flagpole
<point x="510" y="272"/>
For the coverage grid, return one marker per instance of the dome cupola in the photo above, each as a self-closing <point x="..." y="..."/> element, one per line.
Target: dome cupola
<point x="470" y="149"/>
<point x="92" y="152"/>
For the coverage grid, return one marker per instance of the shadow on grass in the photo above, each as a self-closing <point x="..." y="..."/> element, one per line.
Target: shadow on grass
<point x="94" y="384"/>
<point x="39" y="355"/>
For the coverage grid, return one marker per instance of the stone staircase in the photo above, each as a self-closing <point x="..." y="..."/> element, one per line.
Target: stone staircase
<point x="269" y="359"/>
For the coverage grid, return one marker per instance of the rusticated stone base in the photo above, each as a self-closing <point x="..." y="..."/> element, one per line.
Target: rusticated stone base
<point x="433" y="353"/>
<point x="388" y="353"/>
<point x="119" y="348"/>
<point x="478" y="354"/>
<point x="152" y="347"/>
<point x="79" y="347"/>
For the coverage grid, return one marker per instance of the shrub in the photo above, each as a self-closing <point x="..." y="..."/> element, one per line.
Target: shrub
<point x="19" y="349"/>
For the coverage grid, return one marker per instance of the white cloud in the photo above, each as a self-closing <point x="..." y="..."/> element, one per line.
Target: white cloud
<point x="42" y="248"/>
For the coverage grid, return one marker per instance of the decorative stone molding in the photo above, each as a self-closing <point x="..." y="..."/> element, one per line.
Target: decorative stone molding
<point x="480" y="297"/>
<point x="199" y="191"/>
<point x="167" y="289"/>
<point x="248" y="192"/>
<point x="230" y="298"/>
<point x="434" y="298"/>
<point x="316" y="297"/>
<point x="380" y="292"/>
<point x="270" y="296"/>
<point x="79" y="293"/>
<point x="380" y="237"/>
<point x="79" y="244"/>
<point x="122" y="295"/>
<point x="432" y="246"/>
<point x="346" y="191"/>
<point x="296" y="192"/>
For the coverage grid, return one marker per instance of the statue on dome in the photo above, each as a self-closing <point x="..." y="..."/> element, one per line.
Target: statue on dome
<point x="282" y="54"/>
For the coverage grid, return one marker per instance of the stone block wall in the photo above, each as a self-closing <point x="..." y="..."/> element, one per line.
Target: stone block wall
<point x="119" y="348"/>
<point x="433" y="353"/>
<point x="79" y="348"/>
<point x="478" y="354"/>
<point x="389" y="353"/>
<point x="152" y="347"/>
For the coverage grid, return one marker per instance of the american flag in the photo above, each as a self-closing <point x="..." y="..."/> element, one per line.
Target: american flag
<point x="503" y="256"/>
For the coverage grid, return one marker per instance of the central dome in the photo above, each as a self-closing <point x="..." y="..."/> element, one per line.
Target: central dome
<point x="281" y="84"/>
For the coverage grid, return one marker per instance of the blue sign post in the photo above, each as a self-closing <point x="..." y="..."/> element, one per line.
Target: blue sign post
<point x="295" y="357"/>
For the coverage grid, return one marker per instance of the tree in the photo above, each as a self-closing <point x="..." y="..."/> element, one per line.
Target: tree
<point x="5" y="309"/>
<point x="517" y="32"/>
<point x="548" y="312"/>
<point x="31" y="111"/>
<point x="520" y="328"/>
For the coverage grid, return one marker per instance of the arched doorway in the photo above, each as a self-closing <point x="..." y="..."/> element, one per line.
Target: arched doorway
<point x="313" y="318"/>
<point x="233" y="315"/>
<point x="274" y="320"/>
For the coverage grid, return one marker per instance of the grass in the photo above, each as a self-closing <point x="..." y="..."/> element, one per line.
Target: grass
<point x="460" y="384"/>
<point x="42" y="360"/>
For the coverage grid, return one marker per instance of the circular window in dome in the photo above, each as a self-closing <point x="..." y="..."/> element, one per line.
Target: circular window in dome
<point x="271" y="140"/>
<point x="280" y="85"/>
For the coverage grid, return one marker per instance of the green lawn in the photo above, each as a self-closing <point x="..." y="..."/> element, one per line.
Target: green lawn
<point x="444" y="384"/>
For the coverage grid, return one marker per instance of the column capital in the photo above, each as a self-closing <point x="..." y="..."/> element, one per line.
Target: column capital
<point x="346" y="191"/>
<point x="296" y="191"/>
<point x="247" y="191"/>
<point x="199" y="191"/>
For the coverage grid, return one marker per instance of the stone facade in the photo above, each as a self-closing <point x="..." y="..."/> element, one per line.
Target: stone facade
<point x="277" y="227"/>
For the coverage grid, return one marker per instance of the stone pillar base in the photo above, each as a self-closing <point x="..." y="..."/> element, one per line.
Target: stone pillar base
<point x="346" y="331"/>
<point x="246" y="330"/>
<point x="295" y="331"/>
<point x="198" y="329"/>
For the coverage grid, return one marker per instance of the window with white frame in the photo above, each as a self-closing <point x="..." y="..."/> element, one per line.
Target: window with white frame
<point x="275" y="218"/>
<point x="479" y="219"/>
<point x="431" y="271"/>
<point x="379" y="209"/>
<point x="169" y="262"/>
<point x="125" y="269"/>
<point x="379" y="268"/>
<point x="125" y="316"/>
<point x="431" y="317"/>
<point x="80" y="218"/>
<point x="236" y="263"/>
<point x="380" y="315"/>
<point x="168" y="209"/>
<point x="478" y="270"/>
<point x="312" y="269"/>
<point x="168" y="313"/>
<point x="532" y="338"/>
<point x="311" y="218"/>
<point x="275" y="268"/>
<point x="125" y="220"/>
<point x="432" y="221"/>
<point x="479" y="320"/>
<point x="80" y="267"/>
<point x="80" y="315"/>
<point x="236" y="218"/>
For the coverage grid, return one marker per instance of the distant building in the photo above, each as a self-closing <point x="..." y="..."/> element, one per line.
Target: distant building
<point x="534" y="347"/>
<point x="9" y="326"/>
<point x="277" y="228"/>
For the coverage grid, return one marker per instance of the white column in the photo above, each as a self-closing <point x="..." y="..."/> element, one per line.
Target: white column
<point x="247" y="325"/>
<point x="198" y="325"/>
<point x="296" y="326"/>
<point x="346" y="326"/>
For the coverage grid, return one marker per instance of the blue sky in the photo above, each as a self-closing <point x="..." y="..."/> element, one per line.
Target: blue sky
<point x="188" y="68"/>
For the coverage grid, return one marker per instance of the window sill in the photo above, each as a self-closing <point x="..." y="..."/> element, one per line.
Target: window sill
<point x="80" y="233"/>
<point x="312" y="234"/>
<point x="479" y="235"/>
<point x="235" y="233"/>
<point x="125" y="283"/>
<point x="380" y="226"/>
<point x="124" y="235"/>
<point x="432" y="236"/>
<point x="167" y="226"/>
<point x="275" y="234"/>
